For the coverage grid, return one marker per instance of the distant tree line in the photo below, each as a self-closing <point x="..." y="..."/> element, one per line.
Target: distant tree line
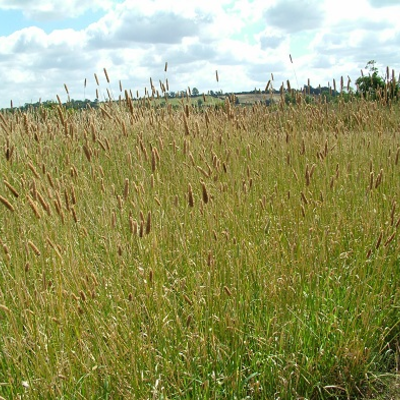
<point x="372" y="86"/>
<point x="70" y="105"/>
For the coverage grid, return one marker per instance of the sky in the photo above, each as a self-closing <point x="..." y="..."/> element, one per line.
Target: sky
<point x="45" y="44"/>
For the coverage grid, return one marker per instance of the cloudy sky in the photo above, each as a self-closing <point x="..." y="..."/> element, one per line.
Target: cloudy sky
<point x="45" y="44"/>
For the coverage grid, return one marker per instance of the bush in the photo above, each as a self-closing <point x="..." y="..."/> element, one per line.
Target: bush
<point x="374" y="86"/>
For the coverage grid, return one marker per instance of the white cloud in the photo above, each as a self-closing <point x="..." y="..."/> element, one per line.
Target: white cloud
<point x="131" y="27"/>
<point x="245" y="40"/>
<point x="293" y="16"/>
<point x="45" y="10"/>
<point x="383" y="3"/>
<point x="271" y="40"/>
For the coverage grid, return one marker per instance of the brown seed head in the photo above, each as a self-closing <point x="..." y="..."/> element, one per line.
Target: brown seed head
<point x="106" y="75"/>
<point x="227" y="291"/>
<point x="190" y="302"/>
<point x="126" y="189"/>
<point x="190" y="196"/>
<point x="148" y="223"/>
<point x="6" y="203"/>
<point x="34" y="248"/>
<point x="378" y="243"/>
<point x="11" y="188"/>
<point x="204" y="192"/>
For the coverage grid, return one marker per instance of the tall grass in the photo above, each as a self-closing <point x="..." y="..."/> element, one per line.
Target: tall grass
<point x="228" y="253"/>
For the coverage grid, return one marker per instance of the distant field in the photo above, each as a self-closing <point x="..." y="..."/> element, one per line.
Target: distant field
<point x="172" y="253"/>
<point x="250" y="98"/>
<point x="257" y="98"/>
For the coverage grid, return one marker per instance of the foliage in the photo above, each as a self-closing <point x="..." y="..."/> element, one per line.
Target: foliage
<point x="374" y="86"/>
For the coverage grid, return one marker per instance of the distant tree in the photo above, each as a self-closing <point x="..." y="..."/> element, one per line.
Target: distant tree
<point x="181" y="93"/>
<point x="195" y="91"/>
<point x="373" y="83"/>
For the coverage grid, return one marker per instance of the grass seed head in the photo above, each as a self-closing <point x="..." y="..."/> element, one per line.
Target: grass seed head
<point x="106" y="75"/>
<point x="33" y="207"/>
<point x="133" y="225"/>
<point x="74" y="216"/>
<point x="6" y="203"/>
<point x="390" y="238"/>
<point x="204" y="192"/>
<point x="190" y="196"/>
<point x="34" y="248"/>
<point x="153" y="160"/>
<point x="148" y="223"/>
<point x="378" y="242"/>
<point x="11" y="188"/>
<point x="186" y="124"/>
<point x="126" y="189"/>
<point x="227" y="291"/>
<point x="141" y="229"/>
<point x="187" y="299"/>
<point x="4" y="308"/>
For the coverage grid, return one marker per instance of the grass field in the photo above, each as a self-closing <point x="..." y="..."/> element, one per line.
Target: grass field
<point x="214" y="254"/>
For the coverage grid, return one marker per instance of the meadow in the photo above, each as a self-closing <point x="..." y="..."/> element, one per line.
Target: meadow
<point x="213" y="253"/>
